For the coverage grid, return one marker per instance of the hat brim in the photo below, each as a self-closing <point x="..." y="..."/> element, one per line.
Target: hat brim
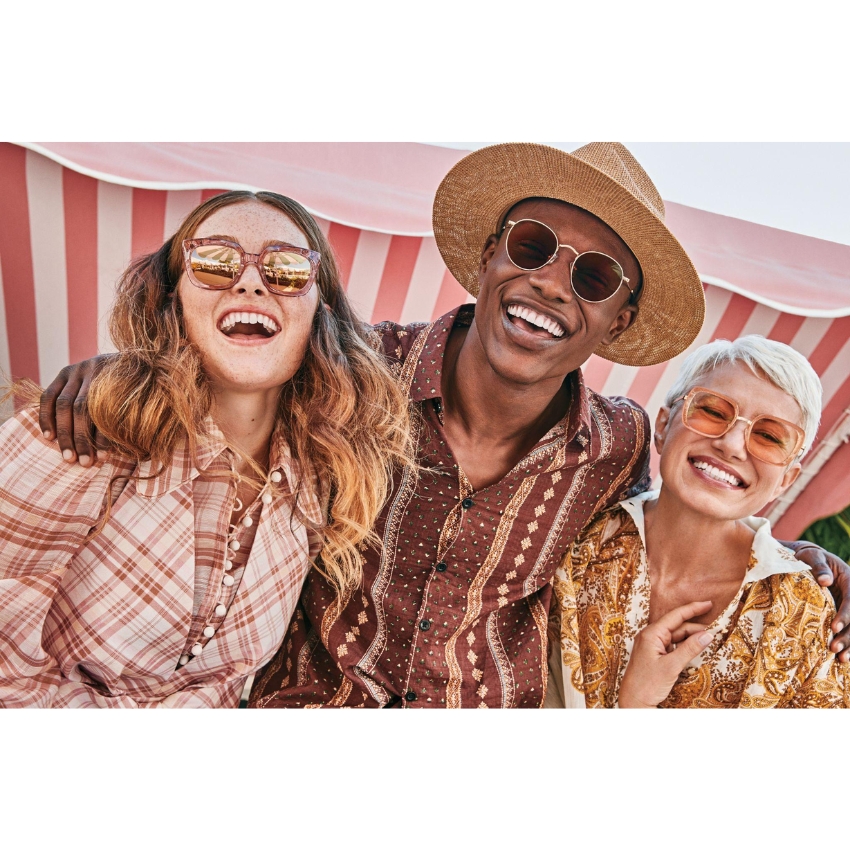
<point x="475" y="195"/>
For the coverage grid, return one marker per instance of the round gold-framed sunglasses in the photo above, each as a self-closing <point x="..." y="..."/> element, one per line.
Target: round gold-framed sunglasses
<point x="768" y="438"/>
<point x="595" y="277"/>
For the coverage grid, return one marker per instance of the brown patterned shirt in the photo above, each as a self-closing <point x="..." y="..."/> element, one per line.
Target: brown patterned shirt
<point x="452" y="611"/>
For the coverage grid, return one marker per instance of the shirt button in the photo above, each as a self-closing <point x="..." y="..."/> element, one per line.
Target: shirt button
<point x="228" y="564"/>
<point x="410" y="696"/>
<point x="197" y="649"/>
<point x="234" y="545"/>
<point x="266" y="498"/>
<point x="442" y="567"/>
<point x="424" y="625"/>
<point x="247" y="521"/>
<point x="466" y="504"/>
<point x="209" y="631"/>
<point x="227" y="581"/>
<point x="220" y="610"/>
<point x="184" y="659"/>
<point x="276" y="477"/>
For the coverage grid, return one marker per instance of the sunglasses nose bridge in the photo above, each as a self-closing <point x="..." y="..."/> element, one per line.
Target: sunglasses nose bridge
<point x="251" y="276"/>
<point x="735" y="440"/>
<point x="553" y="280"/>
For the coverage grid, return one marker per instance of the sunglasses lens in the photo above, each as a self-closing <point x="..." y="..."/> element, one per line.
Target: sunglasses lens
<point x="596" y="276"/>
<point x="286" y="272"/>
<point x="709" y="414"/>
<point x="214" y="266"/>
<point x="772" y="440"/>
<point x="530" y="245"/>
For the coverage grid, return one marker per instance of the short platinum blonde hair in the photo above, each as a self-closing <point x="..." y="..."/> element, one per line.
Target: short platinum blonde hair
<point x="779" y="363"/>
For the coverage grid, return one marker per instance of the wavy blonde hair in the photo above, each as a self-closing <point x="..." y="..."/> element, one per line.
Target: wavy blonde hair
<point x="343" y="413"/>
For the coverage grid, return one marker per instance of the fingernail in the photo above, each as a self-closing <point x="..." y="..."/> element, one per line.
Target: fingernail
<point x="85" y="460"/>
<point x="839" y="648"/>
<point x="838" y="627"/>
<point x="101" y="454"/>
<point x="705" y="638"/>
<point x="48" y="435"/>
<point x="68" y="454"/>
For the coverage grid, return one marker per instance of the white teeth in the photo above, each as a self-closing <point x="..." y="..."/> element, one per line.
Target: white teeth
<point x="718" y="474"/>
<point x="231" y="319"/>
<point x="536" y="319"/>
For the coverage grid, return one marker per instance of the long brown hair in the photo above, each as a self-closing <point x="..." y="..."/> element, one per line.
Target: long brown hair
<point x="342" y="412"/>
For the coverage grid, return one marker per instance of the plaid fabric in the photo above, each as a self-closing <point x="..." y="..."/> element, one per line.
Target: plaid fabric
<point x="106" y="621"/>
<point x="452" y="611"/>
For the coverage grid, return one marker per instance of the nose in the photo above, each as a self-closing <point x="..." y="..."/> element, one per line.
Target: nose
<point x="552" y="281"/>
<point x="251" y="281"/>
<point x="733" y="443"/>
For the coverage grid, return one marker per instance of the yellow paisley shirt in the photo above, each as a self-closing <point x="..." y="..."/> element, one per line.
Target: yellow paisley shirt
<point x="772" y="645"/>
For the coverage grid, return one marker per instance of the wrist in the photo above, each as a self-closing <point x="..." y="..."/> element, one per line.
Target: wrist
<point x="627" y="699"/>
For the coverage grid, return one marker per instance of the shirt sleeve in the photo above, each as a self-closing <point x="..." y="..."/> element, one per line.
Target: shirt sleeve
<point x="821" y="680"/>
<point x="47" y="509"/>
<point x="795" y="667"/>
<point x="640" y="481"/>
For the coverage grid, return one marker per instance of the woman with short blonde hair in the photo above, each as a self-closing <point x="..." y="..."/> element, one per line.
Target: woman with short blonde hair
<point x="681" y="598"/>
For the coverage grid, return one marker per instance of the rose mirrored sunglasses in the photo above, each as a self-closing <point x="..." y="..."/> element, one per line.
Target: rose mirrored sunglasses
<point x="594" y="276"/>
<point x="218" y="264"/>
<point x="768" y="438"/>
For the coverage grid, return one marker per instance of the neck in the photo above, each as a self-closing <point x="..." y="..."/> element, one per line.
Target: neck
<point x="247" y="421"/>
<point x="491" y="407"/>
<point x="671" y="531"/>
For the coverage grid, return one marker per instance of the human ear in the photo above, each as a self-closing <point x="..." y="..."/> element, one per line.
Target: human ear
<point x="487" y="252"/>
<point x="622" y="322"/>
<point x="789" y="477"/>
<point x="661" y="423"/>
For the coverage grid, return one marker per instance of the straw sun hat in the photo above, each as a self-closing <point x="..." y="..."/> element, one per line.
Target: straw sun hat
<point x="604" y="179"/>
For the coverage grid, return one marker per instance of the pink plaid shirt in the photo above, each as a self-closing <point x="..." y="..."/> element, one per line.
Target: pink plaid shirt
<point x="143" y="613"/>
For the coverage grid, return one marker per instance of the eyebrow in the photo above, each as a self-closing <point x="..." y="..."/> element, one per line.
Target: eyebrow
<point x="266" y="244"/>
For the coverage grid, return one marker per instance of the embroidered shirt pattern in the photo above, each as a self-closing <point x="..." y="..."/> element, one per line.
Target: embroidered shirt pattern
<point x="453" y="609"/>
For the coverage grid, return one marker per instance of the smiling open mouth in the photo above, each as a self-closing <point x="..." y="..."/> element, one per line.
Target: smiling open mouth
<point x="533" y="322"/>
<point x="243" y="325"/>
<point x="717" y="474"/>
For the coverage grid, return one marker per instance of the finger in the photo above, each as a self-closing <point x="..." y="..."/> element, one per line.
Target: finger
<point x="686" y="631"/>
<point x="841" y="593"/>
<point x="47" y="405"/>
<point x="840" y="644"/>
<point x="690" y="649"/>
<point x="83" y="440"/>
<point x="816" y="559"/>
<point x="676" y="618"/>
<point x="101" y="444"/>
<point x="65" y="418"/>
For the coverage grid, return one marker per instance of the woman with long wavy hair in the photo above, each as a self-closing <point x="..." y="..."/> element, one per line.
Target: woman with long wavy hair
<point x="253" y="432"/>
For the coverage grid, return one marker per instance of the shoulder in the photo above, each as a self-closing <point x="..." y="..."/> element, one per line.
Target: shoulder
<point x="33" y="473"/>
<point x="605" y="534"/>
<point x="395" y="341"/>
<point x="796" y="595"/>
<point x="627" y="420"/>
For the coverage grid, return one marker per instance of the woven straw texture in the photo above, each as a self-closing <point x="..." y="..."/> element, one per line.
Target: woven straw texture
<point x="604" y="179"/>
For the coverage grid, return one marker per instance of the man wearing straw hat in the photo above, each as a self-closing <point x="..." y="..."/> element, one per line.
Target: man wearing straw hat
<point x="568" y="255"/>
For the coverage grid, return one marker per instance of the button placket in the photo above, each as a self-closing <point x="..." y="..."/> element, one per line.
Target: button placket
<point x="232" y="547"/>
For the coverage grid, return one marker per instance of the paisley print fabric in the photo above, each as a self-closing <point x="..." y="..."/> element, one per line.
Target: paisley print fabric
<point x="772" y="645"/>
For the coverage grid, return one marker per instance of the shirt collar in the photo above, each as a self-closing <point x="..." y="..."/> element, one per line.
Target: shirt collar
<point x="769" y="556"/>
<point x="427" y="376"/>
<point x="212" y="445"/>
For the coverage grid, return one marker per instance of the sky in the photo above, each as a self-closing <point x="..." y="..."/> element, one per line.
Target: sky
<point x="803" y="187"/>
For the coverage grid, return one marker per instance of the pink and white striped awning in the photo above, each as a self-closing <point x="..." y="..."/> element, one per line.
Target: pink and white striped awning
<point x="73" y="215"/>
